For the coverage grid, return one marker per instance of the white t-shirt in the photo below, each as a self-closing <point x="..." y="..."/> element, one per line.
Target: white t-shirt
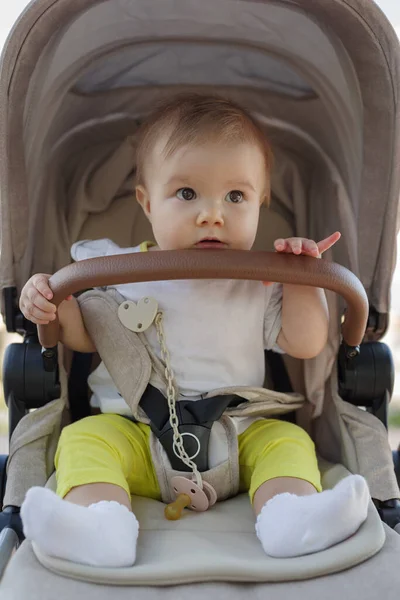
<point x="216" y="331"/>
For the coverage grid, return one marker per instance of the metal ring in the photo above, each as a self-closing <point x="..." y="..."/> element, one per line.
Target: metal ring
<point x="198" y="442"/>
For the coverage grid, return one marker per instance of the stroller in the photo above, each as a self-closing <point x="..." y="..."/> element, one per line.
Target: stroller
<point x="76" y="79"/>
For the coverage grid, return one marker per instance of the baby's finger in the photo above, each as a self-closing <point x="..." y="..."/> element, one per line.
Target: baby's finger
<point x="310" y="248"/>
<point x="40" y="281"/>
<point x="280" y="245"/>
<point x="295" y="245"/>
<point x="266" y="283"/>
<point x="37" y="299"/>
<point x="328" y="242"/>
<point x="39" y="322"/>
<point x="35" y="314"/>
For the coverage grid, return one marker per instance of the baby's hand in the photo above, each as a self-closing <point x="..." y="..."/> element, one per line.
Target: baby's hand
<point x="34" y="302"/>
<point x="304" y="246"/>
<point x="298" y="245"/>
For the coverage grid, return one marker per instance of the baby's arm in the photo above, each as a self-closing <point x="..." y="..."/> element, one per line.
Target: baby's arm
<point x="305" y="321"/>
<point x="305" y="317"/>
<point x="73" y="333"/>
<point x="36" y="306"/>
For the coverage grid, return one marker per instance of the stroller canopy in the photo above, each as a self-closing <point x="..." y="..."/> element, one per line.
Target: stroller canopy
<point x="321" y="76"/>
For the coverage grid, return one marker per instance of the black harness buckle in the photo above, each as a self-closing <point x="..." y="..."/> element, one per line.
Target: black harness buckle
<point x="195" y="421"/>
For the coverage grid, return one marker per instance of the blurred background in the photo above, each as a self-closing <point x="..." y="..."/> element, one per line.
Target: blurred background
<point x="9" y="12"/>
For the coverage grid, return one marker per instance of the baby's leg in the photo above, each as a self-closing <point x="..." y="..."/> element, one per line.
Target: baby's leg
<point x="102" y="534"/>
<point x="86" y="495"/>
<point x="99" y="461"/>
<point x="279" y="466"/>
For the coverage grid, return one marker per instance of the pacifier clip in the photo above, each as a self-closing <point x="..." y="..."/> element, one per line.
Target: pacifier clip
<point x="196" y="494"/>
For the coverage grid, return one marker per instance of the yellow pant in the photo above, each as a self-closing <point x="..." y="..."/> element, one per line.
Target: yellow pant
<point x="108" y="448"/>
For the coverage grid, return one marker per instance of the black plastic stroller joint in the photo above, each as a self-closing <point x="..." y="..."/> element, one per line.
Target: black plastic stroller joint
<point x="30" y="378"/>
<point x="11" y="309"/>
<point x="377" y="325"/>
<point x="10" y="518"/>
<point x="11" y="532"/>
<point x="13" y="318"/>
<point x="389" y="511"/>
<point x="50" y="359"/>
<point x="11" y="535"/>
<point x="367" y="378"/>
<point x="396" y="462"/>
<point x="351" y="351"/>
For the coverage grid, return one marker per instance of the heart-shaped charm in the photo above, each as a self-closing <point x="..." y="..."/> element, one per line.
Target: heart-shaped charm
<point x="138" y="317"/>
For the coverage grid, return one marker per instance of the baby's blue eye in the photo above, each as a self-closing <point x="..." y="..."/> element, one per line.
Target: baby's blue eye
<point x="235" y="196"/>
<point x="186" y="194"/>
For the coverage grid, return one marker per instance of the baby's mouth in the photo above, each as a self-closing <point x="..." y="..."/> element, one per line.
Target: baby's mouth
<point x="211" y="243"/>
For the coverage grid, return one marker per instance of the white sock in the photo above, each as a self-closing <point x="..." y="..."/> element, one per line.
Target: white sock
<point x="290" y="525"/>
<point x="102" y="535"/>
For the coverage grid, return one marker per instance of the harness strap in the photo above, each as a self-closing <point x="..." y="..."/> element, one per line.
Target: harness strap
<point x="196" y="419"/>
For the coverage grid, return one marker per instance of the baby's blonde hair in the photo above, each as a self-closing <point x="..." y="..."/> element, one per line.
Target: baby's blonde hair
<point x="192" y="118"/>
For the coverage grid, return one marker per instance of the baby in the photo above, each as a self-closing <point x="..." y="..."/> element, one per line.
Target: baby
<point x="203" y="173"/>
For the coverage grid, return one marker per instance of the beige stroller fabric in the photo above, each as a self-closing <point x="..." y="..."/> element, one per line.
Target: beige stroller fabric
<point x="226" y="531"/>
<point x="375" y="578"/>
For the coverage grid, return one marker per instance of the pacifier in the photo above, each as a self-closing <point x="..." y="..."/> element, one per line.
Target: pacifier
<point x="189" y="495"/>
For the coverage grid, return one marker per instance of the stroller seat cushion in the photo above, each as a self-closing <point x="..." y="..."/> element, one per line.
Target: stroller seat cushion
<point x="220" y="545"/>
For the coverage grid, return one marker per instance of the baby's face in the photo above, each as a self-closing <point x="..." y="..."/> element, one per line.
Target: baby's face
<point x="205" y="196"/>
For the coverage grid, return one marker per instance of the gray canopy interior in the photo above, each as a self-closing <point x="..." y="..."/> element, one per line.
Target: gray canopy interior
<point x="323" y="77"/>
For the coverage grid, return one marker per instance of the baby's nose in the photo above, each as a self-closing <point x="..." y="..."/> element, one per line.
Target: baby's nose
<point x="211" y="215"/>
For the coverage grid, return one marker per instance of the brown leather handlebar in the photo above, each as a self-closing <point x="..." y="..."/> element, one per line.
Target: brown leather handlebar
<point x="212" y="264"/>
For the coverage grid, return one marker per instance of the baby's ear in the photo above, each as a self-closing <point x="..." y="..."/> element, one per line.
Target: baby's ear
<point x="144" y="200"/>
